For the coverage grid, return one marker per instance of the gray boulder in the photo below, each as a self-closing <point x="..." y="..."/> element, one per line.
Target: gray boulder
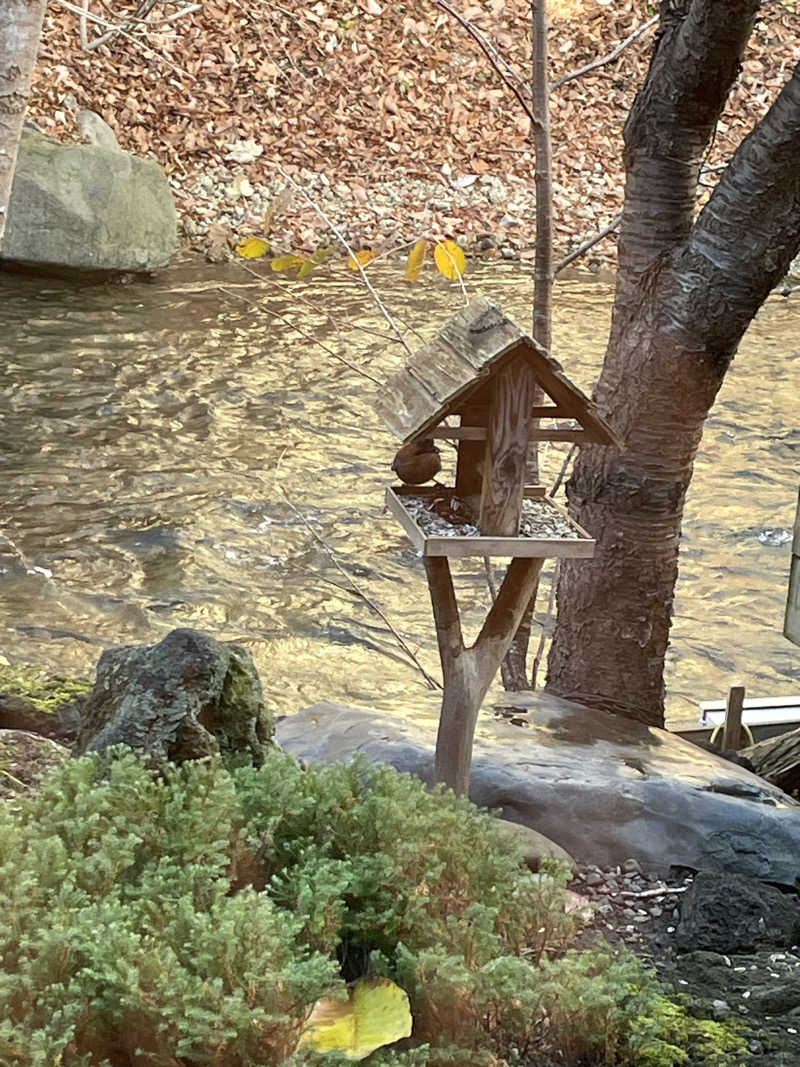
<point x="81" y="207"/>
<point x="602" y="787"/>
<point x="186" y="697"/>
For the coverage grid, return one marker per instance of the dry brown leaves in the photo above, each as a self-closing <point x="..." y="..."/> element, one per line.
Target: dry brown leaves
<point x="367" y="90"/>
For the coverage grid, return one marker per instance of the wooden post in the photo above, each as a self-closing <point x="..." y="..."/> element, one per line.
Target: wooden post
<point x="732" y="730"/>
<point x="468" y="672"/>
<point x="505" y="461"/>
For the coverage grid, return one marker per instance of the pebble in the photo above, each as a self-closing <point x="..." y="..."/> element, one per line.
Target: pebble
<point x="720" y="1009"/>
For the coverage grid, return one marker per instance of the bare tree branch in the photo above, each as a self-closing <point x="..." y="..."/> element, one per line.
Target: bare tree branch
<point x="492" y="54"/>
<point x="302" y="332"/>
<point x="379" y="303"/>
<point x="603" y="60"/>
<point x="430" y="680"/>
<point x="590" y="242"/>
<point x="81" y="11"/>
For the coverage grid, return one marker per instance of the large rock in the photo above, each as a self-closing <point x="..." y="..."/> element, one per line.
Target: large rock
<point x="728" y="913"/>
<point x="186" y="697"/>
<point x="602" y="787"/>
<point x="87" y="208"/>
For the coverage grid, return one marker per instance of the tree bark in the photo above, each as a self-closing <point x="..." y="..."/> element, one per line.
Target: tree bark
<point x="19" y="43"/>
<point x="685" y="295"/>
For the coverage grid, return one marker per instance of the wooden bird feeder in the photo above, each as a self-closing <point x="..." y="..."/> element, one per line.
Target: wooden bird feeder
<point x="482" y="370"/>
<point x="476" y="384"/>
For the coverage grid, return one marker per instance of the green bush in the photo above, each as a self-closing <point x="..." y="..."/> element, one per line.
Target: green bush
<point x="192" y="915"/>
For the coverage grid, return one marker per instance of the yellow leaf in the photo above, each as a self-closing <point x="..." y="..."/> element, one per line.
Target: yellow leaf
<point x="287" y="262"/>
<point x="252" y="247"/>
<point x="376" y="1014"/>
<point x="362" y="258"/>
<point x="416" y="257"/>
<point x="450" y="259"/>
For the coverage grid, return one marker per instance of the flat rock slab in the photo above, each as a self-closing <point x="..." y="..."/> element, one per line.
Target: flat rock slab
<point x="602" y="787"/>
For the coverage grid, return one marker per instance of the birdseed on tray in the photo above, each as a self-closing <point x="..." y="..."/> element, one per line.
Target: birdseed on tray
<point x="446" y="516"/>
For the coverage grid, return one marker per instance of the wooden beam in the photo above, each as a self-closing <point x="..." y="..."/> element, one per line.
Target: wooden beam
<point x="479" y="433"/>
<point x="459" y="433"/>
<point x="550" y="411"/>
<point x="506" y="458"/>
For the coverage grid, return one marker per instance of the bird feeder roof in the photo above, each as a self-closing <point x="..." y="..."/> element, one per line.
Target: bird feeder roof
<point x="441" y="378"/>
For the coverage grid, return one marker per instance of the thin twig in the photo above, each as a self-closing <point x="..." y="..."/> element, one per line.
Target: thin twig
<point x="160" y="20"/>
<point x="492" y="54"/>
<point x="16" y="781"/>
<point x="431" y="681"/>
<point x="303" y="333"/>
<point x="605" y="59"/>
<point x="82" y="26"/>
<point x="644" y="893"/>
<point x="104" y="22"/>
<point x="487" y="566"/>
<point x="560" y="476"/>
<point x="380" y="304"/>
<point x="538" y="655"/>
<point x="588" y="243"/>
<point x="312" y="304"/>
<point x="459" y="275"/>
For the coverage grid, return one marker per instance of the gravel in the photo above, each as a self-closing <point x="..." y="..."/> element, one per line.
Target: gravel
<point x="761" y="989"/>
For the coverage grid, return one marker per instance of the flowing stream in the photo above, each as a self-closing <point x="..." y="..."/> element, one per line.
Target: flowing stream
<point x="181" y="453"/>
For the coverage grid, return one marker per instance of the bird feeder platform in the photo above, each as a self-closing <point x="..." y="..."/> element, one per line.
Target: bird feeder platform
<point x="439" y="524"/>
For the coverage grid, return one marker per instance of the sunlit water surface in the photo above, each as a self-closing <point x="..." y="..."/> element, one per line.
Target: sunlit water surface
<point x="177" y="453"/>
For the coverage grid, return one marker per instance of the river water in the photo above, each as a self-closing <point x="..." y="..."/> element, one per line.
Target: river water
<point x="182" y="453"/>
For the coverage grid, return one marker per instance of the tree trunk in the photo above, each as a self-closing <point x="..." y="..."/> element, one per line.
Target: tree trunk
<point x="21" y="25"/>
<point x="515" y="674"/>
<point x="685" y="295"/>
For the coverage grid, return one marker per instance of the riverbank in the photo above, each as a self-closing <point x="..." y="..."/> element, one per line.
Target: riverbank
<point x="389" y="117"/>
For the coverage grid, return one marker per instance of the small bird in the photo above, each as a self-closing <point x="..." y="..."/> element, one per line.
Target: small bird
<point x="417" y="462"/>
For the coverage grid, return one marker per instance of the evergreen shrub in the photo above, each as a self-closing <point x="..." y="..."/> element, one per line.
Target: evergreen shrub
<point x="193" y="914"/>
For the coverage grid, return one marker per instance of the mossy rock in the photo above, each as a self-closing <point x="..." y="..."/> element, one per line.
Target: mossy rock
<point x="186" y="697"/>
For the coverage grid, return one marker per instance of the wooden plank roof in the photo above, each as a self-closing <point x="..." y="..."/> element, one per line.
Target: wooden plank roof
<point x="469" y="348"/>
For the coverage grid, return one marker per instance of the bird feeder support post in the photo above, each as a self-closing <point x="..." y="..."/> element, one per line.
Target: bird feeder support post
<point x="468" y="672"/>
<point x="506" y="459"/>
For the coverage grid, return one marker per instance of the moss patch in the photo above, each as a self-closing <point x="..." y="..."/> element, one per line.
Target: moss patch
<point x="46" y="692"/>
